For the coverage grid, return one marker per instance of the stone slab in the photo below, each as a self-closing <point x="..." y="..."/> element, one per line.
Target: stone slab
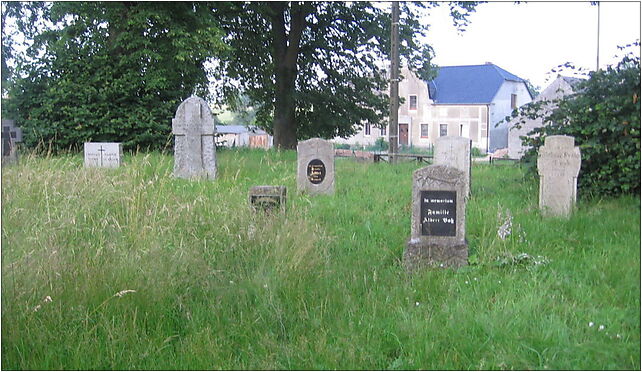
<point x="454" y="151"/>
<point x="268" y="198"/>
<point x="558" y="165"/>
<point x="315" y="166"/>
<point x="103" y="154"/>
<point x="194" y="144"/>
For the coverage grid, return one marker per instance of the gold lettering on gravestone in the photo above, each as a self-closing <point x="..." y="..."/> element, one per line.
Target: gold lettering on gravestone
<point x="316" y="171"/>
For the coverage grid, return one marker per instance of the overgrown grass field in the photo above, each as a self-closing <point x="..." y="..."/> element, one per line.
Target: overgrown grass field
<point x="133" y="269"/>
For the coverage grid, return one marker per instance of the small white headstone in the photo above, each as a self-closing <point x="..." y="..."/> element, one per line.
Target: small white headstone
<point x="558" y="164"/>
<point x="103" y="154"/>
<point x="454" y="151"/>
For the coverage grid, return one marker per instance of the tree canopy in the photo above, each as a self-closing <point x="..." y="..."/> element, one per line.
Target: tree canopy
<point x="315" y="68"/>
<point x="116" y="71"/>
<point x="109" y="71"/>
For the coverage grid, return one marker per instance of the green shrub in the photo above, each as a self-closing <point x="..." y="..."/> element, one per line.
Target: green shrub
<point x="604" y="118"/>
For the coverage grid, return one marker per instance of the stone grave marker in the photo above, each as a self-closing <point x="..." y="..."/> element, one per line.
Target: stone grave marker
<point x="103" y="154"/>
<point x="315" y="166"/>
<point x="268" y="198"/>
<point x="194" y="148"/>
<point x="558" y="164"/>
<point x="438" y="222"/>
<point x="454" y="151"/>
<point x="11" y="135"/>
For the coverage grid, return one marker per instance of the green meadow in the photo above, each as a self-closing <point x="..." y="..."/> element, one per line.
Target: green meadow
<point x="130" y="268"/>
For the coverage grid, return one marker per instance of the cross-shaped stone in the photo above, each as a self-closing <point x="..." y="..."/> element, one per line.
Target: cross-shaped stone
<point x="10" y="136"/>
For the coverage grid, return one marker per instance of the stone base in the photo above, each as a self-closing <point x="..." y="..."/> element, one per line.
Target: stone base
<point x="420" y="255"/>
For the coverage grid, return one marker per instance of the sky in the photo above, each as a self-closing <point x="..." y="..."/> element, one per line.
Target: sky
<point x="529" y="39"/>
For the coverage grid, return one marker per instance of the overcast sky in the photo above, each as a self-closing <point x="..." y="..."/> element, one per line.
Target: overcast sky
<point x="529" y="39"/>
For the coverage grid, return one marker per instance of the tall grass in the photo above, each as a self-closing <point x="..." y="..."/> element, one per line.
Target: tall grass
<point x="133" y="269"/>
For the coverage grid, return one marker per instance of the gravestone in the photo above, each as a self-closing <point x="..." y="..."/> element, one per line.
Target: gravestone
<point x="268" y="198"/>
<point x="438" y="222"/>
<point x="315" y="166"/>
<point x="103" y="154"/>
<point x="11" y="135"/>
<point x="454" y="151"/>
<point x="194" y="148"/>
<point x="558" y="164"/>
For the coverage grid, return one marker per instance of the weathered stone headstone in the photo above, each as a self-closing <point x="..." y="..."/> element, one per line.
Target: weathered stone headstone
<point x="438" y="223"/>
<point x="558" y="164"/>
<point x="454" y="151"/>
<point x="103" y="154"/>
<point x="268" y="198"/>
<point x="11" y="135"/>
<point x="315" y="170"/>
<point x="194" y="148"/>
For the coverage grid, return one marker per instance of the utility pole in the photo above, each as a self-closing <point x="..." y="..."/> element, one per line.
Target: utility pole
<point x="598" y="37"/>
<point x="393" y="136"/>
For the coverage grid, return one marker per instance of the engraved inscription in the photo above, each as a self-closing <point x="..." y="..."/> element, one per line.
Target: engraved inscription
<point x="438" y="213"/>
<point x="316" y="171"/>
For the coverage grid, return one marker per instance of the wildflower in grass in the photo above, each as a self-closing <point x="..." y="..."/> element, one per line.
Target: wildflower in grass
<point x="618" y="335"/>
<point x="416" y="303"/>
<point x="466" y="282"/>
<point x="591" y="324"/>
<point x="124" y="292"/>
<point x="36" y="308"/>
<point x="48" y="299"/>
<point x="601" y="327"/>
<point x="265" y="285"/>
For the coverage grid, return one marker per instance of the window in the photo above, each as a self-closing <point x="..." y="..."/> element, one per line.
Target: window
<point x="443" y="130"/>
<point x="412" y="102"/>
<point x="367" y="129"/>
<point x="424" y="130"/>
<point x="513" y="101"/>
<point x="383" y="130"/>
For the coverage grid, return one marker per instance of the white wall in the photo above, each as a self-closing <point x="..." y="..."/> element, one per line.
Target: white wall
<point x="501" y="107"/>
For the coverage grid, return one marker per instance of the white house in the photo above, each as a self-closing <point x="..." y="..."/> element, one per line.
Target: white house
<point x="461" y="101"/>
<point x="559" y="88"/>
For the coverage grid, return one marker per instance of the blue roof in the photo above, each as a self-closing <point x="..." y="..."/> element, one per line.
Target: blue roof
<point x="468" y="84"/>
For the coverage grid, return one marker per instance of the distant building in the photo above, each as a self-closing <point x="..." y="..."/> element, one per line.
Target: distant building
<point x="242" y="136"/>
<point x="559" y="88"/>
<point x="461" y="101"/>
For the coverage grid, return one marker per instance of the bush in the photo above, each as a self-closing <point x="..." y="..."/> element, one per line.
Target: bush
<point x="604" y="118"/>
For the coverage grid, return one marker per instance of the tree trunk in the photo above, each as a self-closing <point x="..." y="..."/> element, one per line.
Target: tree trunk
<point x="285" y="51"/>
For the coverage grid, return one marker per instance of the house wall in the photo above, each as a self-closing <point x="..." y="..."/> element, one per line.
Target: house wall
<point x="472" y="119"/>
<point x="412" y="85"/>
<point x="500" y="107"/>
<point x="558" y="88"/>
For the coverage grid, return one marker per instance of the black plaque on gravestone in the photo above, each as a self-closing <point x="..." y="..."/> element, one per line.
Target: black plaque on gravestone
<point x="438" y="213"/>
<point x="316" y="171"/>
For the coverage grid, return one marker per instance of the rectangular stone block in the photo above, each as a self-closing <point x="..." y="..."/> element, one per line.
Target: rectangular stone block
<point x="268" y="198"/>
<point x="454" y="151"/>
<point x="558" y="165"/>
<point x="103" y="154"/>
<point x="315" y="166"/>
<point x="438" y="221"/>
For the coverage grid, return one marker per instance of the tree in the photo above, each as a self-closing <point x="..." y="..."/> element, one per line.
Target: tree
<point x="604" y="118"/>
<point x="110" y="71"/>
<point x="317" y="70"/>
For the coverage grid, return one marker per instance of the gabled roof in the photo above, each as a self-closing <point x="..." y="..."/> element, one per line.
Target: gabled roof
<point x="468" y="84"/>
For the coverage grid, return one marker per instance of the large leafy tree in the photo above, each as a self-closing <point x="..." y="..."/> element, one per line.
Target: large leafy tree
<point x="109" y="71"/>
<point x="315" y="68"/>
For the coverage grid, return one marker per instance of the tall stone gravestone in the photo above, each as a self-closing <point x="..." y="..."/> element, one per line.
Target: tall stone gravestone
<point x="454" y="151"/>
<point x="11" y="135"/>
<point x="438" y="223"/>
<point x="315" y="170"/>
<point x="558" y="164"/>
<point x="194" y="148"/>
<point x="103" y="154"/>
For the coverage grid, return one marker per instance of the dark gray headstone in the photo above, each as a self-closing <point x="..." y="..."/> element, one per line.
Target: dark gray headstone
<point x="11" y="135"/>
<point x="268" y="198"/>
